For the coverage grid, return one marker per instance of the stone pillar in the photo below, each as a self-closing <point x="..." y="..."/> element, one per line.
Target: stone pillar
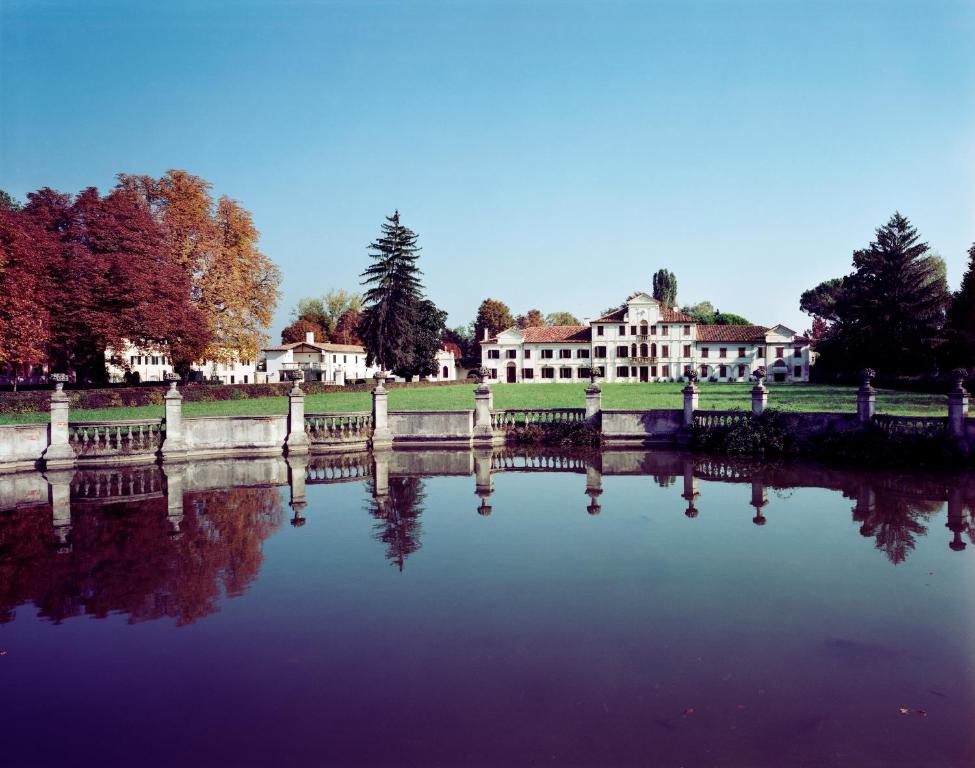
<point x="59" y="497"/>
<point x="594" y="403"/>
<point x="59" y="452"/>
<point x="594" y="488"/>
<point x="174" y="444"/>
<point x="690" y="488"/>
<point x="483" y="432"/>
<point x="759" y="399"/>
<point x="483" y="479"/>
<point x="175" y="480"/>
<point x="297" y="469"/>
<point x="958" y="404"/>
<point x="866" y="398"/>
<point x="690" y="403"/>
<point x="297" y="439"/>
<point x="381" y="436"/>
<point x="759" y="500"/>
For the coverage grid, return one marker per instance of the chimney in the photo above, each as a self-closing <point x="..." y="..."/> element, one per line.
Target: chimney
<point x="310" y="337"/>
<point x="587" y="321"/>
<point x="485" y="333"/>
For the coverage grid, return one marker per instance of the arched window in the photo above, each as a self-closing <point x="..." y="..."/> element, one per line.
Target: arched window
<point x="633" y="350"/>
<point x="644" y="329"/>
<point x="643" y="350"/>
<point x="446" y="373"/>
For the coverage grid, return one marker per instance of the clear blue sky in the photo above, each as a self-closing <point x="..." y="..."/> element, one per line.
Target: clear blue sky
<point x="550" y="154"/>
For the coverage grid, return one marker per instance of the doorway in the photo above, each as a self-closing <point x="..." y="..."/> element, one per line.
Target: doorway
<point x="512" y="374"/>
<point x="644" y="373"/>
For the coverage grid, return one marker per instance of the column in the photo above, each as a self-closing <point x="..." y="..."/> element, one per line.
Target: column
<point x="956" y="519"/>
<point x="381" y="436"/>
<point x="866" y="397"/>
<point x="594" y="403"/>
<point x="59" y="452"/>
<point x="380" y="477"/>
<point x="174" y="444"/>
<point x="297" y="439"/>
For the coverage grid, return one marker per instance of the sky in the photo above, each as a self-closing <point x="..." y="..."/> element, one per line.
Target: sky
<point x="549" y="154"/>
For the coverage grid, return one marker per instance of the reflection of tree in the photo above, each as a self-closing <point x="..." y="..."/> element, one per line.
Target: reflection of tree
<point x="398" y="518"/>
<point x="123" y="559"/>
<point x="895" y="522"/>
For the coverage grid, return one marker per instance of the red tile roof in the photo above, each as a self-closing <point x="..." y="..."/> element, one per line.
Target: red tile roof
<point x="731" y="332"/>
<point x="551" y="334"/>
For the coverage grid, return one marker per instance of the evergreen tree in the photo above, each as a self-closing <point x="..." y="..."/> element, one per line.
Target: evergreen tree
<point x="961" y="318"/>
<point x="665" y="287"/>
<point x="428" y="332"/>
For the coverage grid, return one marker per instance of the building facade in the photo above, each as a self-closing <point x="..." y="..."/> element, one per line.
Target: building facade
<point x="154" y="364"/>
<point x="645" y="341"/>
<point x="330" y="363"/>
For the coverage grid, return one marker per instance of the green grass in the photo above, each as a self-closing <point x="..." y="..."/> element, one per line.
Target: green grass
<point x="795" y="397"/>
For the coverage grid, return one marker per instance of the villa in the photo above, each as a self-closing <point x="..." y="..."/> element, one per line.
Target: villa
<point x="645" y="341"/>
<point x="153" y="364"/>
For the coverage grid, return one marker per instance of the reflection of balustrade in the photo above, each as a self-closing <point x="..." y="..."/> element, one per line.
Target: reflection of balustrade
<point x="512" y="418"/>
<point x="116" y="439"/>
<point x="339" y="469"/>
<point x="338" y="427"/>
<point x="510" y="462"/>
<point x="90" y="485"/>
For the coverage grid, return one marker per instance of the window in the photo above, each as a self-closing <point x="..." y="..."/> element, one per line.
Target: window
<point x="663" y="330"/>
<point x="565" y="373"/>
<point x="527" y="354"/>
<point x="547" y="354"/>
<point x="599" y="352"/>
<point x="632" y="330"/>
<point x="584" y="373"/>
<point x="760" y="352"/>
<point x="722" y="371"/>
<point x="599" y="330"/>
<point x="232" y="379"/>
<point x="335" y="358"/>
<point x="704" y="351"/>
<point x="687" y="350"/>
<point x="741" y="351"/>
<point x="621" y="330"/>
<point x="582" y="353"/>
<point x="665" y="351"/>
<point x="494" y="373"/>
<point x="622" y="371"/>
<point x="780" y="351"/>
<point x="132" y="360"/>
<point x="653" y="370"/>
<point x="565" y="354"/>
<point x="687" y="330"/>
<point x="493" y="354"/>
<point x="722" y="352"/>
<point x="644" y="351"/>
<point x="653" y="330"/>
<point x="245" y="378"/>
<point x="548" y="373"/>
<point x="633" y="370"/>
<point x="528" y="373"/>
<point x="798" y="372"/>
<point x="622" y="351"/>
<point x="345" y="358"/>
<point x="797" y="352"/>
<point x="511" y="354"/>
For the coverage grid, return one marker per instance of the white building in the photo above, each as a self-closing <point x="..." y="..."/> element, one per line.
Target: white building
<point x="645" y="341"/>
<point x="333" y="363"/>
<point x="154" y="364"/>
<point x="446" y="365"/>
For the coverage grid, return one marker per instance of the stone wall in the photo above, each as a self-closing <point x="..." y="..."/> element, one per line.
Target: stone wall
<point x="237" y="435"/>
<point x="22" y="445"/>
<point x="444" y="428"/>
<point x="653" y="427"/>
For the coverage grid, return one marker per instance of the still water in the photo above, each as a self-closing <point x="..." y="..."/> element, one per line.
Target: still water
<point x="457" y="608"/>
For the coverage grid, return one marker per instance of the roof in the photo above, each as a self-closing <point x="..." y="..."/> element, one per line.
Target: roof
<point x="731" y="332"/>
<point x="320" y="347"/>
<point x="667" y="315"/>
<point x="551" y="334"/>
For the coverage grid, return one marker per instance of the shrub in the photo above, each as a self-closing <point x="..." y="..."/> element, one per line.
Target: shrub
<point x="558" y="433"/>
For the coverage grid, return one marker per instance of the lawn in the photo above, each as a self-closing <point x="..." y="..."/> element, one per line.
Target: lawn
<point x="796" y="397"/>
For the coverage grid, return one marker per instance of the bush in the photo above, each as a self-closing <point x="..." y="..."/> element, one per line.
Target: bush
<point x="558" y="433"/>
<point x="765" y="435"/>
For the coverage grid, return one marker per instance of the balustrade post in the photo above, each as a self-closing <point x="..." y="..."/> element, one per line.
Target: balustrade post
<point x="297" y="439"/>
<point x="59" y="452"/>
<point x="483" y="402"/>
<point x="381" y="436"/>
<point x="690" y="403"/>
<point x="958" y="404"/>
<point x="866" y="397"/>
<point x="174" y="445"/>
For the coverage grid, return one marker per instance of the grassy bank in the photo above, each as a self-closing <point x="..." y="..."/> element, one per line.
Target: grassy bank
<point x="641" y="396"/>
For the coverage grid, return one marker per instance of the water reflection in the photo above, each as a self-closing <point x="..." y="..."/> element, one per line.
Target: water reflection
<point x="149" y="542"/>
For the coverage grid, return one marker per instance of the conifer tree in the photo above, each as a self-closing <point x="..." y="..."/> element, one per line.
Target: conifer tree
<point x="961" y="318"/>
<point x="665" y="287"/>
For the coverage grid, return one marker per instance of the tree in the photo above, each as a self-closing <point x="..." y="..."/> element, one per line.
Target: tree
<point x="8" y="202"/>
<point x="665" y="287"/>
<point x="533" y="318"/>
<point x="25" y="252"/>
<point x="393" y="290"/>
<point x="817" y="332"/>
<point x="428" y="332"/>
<point x="961" y="319"/>
<point x="297" y="330"/>
<point x="346" y="329"/>
<point x="561" y="318"/>
<point x="327" y="310"/>
<point x="728" y="318"/>
<point x="888" y="314"/>
<point x="703" y="312"/>
<point x="492" y="316"/>
<point x="463" y="337"/>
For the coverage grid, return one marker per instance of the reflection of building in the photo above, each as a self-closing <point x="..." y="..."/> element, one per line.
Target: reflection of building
<point x="153" y="365"/>
<point x="645" y="341"/>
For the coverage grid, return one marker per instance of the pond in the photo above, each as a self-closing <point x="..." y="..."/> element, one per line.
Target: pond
<point x="487" y="608"/>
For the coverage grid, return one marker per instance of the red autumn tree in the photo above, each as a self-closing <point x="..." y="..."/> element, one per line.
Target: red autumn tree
<point x="346" y="328"/>
<point x="296" y="332"/>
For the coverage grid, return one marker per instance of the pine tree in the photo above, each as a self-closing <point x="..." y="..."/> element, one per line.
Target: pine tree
<point x="961" y="318"/>
<point x="665" y="287"/>
<point x="393" y="290"/>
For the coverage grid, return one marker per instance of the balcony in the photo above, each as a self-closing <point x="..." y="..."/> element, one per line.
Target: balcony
<point x="302" y="367"/>
<point x="643" y="360"/>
